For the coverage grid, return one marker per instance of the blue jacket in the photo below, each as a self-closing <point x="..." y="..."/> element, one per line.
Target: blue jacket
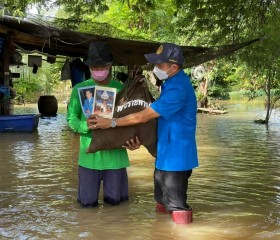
<point x="177" y="108"/>
<point x="88" y="105"/>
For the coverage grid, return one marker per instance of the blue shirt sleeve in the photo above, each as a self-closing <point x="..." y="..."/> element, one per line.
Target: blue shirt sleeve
<point x="170" y="102"/>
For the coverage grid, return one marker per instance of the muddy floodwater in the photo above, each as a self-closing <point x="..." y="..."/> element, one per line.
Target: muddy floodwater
<point x="234" y="193"/>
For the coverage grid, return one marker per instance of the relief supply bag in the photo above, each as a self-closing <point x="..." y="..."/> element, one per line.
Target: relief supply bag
<point x="134" y="97"/>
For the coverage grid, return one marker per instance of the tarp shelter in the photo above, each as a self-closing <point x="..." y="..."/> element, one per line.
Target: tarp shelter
<point x="26" y="35"/>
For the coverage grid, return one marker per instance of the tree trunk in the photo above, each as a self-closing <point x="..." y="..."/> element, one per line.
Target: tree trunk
<point x="268" y="99"/>
<point x="203" y="88"/>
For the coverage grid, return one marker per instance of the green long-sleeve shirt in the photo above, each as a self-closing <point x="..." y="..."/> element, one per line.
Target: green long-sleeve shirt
<point x="101" y="160"/>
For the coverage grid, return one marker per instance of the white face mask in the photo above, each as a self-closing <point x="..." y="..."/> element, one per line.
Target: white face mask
<point x="161" y="74"/>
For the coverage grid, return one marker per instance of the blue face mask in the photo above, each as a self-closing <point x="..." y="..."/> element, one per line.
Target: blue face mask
<point x="161" y="74"/>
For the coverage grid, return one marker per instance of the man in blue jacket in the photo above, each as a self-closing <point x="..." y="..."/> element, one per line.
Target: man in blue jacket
<point x="88" y="103"/>
<point x="176" y="150"/>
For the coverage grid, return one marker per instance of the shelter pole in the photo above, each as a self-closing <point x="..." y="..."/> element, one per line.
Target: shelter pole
<point x="6" y="70"/>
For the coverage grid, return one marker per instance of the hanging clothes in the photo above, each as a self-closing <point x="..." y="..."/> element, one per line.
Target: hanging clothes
<point x="78" y="71"/>
<point x="66" y="71"/>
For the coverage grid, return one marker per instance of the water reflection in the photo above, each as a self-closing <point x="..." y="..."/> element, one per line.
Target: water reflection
<point x="235" y="193"/>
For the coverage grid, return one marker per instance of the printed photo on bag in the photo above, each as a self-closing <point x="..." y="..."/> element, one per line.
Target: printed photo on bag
<point x="104" y="102"/>
<point x="86" y="95"/>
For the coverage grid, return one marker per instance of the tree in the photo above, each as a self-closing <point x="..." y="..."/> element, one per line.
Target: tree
<point x="264" y="62"/>
<point x="76" y="7"/>
<point x="225" y="21"/>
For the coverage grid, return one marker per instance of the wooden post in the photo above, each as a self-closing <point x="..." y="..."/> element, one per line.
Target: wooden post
<point x="3" y="40"/>
<point x="6" y="71"/>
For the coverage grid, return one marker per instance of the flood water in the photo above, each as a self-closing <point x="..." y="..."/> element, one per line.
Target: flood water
<point x="234" y="193"/>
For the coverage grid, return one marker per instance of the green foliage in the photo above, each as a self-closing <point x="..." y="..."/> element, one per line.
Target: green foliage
<point x="19" y="8"/>
<point x="218" y="92"/>
<point x="27" y="91"/>
<point x="222" y="21"/>
<point x="76" y="8"/>
<point x="199" y="96"/>
<point x="220" y="77"/>
<point x="30" y="86"/>
<point x="252" y="94"/>
<point x="138" y="19"/>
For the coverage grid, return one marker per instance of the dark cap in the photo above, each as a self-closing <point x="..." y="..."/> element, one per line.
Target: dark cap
<point x="166" y="53"/>
<point x="99" y="53"/>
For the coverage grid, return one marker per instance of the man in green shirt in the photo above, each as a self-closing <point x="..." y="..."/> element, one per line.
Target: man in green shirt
<point x="107" y="166"/>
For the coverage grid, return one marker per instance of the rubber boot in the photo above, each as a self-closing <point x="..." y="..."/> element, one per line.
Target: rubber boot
<point x="160" y="208"/>
<point x="182" y="217"/>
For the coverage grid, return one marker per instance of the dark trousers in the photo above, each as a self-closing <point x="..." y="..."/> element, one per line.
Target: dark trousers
<point x="115" y="186"/>
<point x="171" y="189"/>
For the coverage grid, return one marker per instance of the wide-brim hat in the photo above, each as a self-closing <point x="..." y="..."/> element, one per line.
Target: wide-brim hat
<point x="166" y="53"/>
<point x="99" y="54"/>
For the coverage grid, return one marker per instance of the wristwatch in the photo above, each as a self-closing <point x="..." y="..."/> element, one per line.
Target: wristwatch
<point x="113" y="123"/>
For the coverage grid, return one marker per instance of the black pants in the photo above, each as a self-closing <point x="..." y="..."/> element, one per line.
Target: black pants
<point x="171" y="189"/>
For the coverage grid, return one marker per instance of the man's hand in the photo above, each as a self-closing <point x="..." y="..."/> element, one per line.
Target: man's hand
<point x="132" y="144"/>
<point x="95" y="122"/>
